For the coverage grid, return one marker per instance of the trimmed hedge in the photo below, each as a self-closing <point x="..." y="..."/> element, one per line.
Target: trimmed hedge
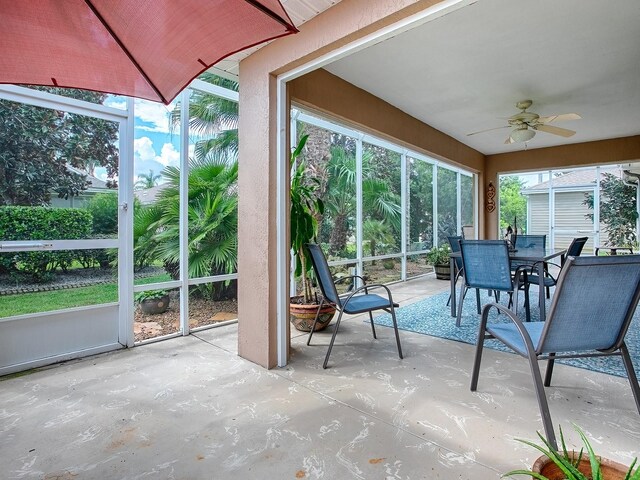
<point x="42" y="223"/>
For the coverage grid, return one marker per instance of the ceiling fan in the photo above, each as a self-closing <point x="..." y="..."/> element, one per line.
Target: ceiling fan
<point x="526" y="124"/>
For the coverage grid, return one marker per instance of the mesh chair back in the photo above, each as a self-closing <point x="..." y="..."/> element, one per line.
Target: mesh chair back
<point x="486" y="264"/>
<point x="532" y="242"/>
<point x="323" y="274"/>
<point x="575" y="249"/>
<point x="454" y="242"/>
<point x="593" y="304"/>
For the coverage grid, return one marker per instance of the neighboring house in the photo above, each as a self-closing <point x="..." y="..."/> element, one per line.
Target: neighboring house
<point x="80" y="201"/>
<point x="149" y="195"/>
<point x="570" y="214"/>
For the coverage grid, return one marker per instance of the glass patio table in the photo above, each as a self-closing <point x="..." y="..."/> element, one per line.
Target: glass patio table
<point x="518" y="256"/>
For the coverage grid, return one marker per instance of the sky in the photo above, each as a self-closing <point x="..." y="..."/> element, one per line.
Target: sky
<point x="154" y="146"/>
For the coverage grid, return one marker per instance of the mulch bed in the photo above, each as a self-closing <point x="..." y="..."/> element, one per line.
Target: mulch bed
<point x="202" y="312"/>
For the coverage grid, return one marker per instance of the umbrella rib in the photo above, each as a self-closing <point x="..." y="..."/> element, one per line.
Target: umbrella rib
<point x="272" y="14"/>
<point x="124" y="49"/>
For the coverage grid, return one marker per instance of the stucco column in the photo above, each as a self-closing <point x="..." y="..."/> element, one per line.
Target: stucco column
<point x="257" y="218"/>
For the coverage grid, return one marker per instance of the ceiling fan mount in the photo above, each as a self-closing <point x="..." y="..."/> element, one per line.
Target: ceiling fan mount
<point x="526" y="124"/>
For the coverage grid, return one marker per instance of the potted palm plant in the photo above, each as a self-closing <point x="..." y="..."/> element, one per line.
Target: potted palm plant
<point x="571" y="465"/>
<point x="305" y="207"/>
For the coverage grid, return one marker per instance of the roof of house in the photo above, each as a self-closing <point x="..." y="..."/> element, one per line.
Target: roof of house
<point x="149" y="195"/>
<point x="95" y="183"/>
<point x="576" y="178"/>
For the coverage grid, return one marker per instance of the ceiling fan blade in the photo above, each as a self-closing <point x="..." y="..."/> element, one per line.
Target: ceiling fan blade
<point x="509" y="140"/>
<point x="563" y="132"/>
<point x="488" y="130"/>
<point x="559" y="118"/>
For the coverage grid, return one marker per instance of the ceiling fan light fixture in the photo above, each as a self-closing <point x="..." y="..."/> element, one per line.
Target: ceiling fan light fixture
<point x="522" y="135"/>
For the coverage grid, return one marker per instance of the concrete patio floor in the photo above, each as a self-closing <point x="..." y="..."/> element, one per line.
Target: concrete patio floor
<point x="190" y="408"/>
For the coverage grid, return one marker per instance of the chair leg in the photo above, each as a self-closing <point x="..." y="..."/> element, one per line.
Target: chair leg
<point x="315" y="320"/>
<point x="527" y="305"/>
<point x="549" y="372"/>
<point x="631" y="374"/>
<point x="454" y="282"/>
<point x="542" y="399"/>
<point x="478" y="357"/>
<point x="373" y="328"/>
<point x="395" y="328"/>
<point x="478" y="301"/>
<point x="333" y="337"/>
<point x="463" y="292"/>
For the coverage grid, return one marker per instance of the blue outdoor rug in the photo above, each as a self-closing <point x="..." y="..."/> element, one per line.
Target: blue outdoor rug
<point x="432" y="317"/>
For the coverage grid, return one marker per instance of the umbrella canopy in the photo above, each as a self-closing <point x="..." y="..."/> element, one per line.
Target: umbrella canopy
<point x="149" y="49"/>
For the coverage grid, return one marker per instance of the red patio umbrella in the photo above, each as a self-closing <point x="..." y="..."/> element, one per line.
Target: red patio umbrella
<point x="149" y="49"/>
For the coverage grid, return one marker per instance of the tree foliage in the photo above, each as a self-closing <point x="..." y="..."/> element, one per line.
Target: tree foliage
<point x="213" y="197"/>
<point x="147" y="180"/>
<point x="213" y="120"/>
<point x="212" y="219"/>
<point x="512" y="203"/>
<point x="617" y="209"/>
<point x="37" y="144"/>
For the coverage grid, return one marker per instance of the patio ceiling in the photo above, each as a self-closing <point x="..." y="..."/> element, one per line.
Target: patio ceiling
<point x="464" y="71"/>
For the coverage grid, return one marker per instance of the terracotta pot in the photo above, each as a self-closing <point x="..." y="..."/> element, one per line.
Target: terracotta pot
<point x="610" y="470"/>
<point x="155" y="306"/>
<point x="302" y="315"/>
<point x="443" y="272"/>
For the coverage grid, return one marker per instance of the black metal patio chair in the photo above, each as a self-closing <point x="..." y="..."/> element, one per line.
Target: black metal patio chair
<point x="574" y="250"/>
<point x="590" y="314"/>
<point x="356" y="301"/>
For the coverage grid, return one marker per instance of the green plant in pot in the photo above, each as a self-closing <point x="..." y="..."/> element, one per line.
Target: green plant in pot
<point x="439" y="258"/>
<point x="152" y="302"/>
<point x="305" y="207"/>
<point x="571" y="465"/>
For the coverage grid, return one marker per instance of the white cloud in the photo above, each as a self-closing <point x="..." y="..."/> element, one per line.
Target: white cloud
<point x="169" y="155"/>
<point x="147" y="159"/>
<point x="156" y="114"/>
<point x="116" y="102"/>
<point x="143" y="149"/>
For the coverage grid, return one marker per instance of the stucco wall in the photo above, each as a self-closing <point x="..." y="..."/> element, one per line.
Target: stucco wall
<point x="326" y="93"/>
<point x="343" y="23"/>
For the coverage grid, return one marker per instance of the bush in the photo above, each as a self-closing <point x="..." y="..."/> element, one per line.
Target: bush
<point x="104" y="210"/>
<point x="439" y="255"/>
<point x="41" y="223"/>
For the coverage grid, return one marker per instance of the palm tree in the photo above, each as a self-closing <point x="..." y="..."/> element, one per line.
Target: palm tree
<point x="146" y="181"/>
<point x="212" y="219"/>
<point x="213" y="197"/>
<point x="378" y="200"/>
<point x="212" y="120"/>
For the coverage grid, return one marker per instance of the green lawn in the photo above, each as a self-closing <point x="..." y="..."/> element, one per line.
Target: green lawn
<point x="24" y="303"/>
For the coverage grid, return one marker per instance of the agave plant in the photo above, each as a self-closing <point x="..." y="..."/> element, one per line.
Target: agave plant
<point x="568" y="462"/>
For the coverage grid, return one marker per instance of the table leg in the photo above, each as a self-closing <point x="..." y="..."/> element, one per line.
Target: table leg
<point x="452" y="275"/>
<point x="541" y="300"/>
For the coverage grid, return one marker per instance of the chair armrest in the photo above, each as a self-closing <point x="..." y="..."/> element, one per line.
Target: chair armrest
<point x="366" y="288"/>
<point x="349" y="277"/>
<point x="534" y="266"/>
<point x="520" y="270"/>
<point x="516" y="321"/>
